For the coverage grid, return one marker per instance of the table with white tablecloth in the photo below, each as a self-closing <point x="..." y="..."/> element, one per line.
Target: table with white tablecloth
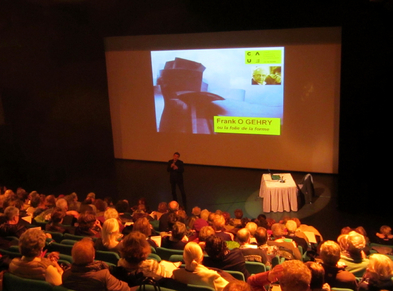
<point x="278" y="196"/>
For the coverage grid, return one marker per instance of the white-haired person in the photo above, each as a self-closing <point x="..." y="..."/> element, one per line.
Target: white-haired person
<point x="378" y="275"/>
<point x="353" y="257"/>
<point x="110" y="235"/>
<point x="196" y="273"/>
<point x="32" y="265"/>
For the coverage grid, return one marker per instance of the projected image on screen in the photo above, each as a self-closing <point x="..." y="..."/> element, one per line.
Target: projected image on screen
<point x="219" y="91"/>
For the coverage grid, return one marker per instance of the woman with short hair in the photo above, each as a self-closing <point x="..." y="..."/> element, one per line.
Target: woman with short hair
<point x="378" y="275"/>
<point x="32" y="265"/>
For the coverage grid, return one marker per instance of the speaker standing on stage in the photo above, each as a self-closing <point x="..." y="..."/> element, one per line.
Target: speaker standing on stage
<point x="176" y="169"/>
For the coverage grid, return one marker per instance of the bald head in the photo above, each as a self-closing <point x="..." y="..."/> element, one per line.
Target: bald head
<point x="243" y="236"/>
<point x="173" y="206"/>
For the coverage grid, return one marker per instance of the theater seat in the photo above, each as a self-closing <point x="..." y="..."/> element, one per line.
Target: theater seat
<point x="15" y="283"/>
<point x="165" y="253"/>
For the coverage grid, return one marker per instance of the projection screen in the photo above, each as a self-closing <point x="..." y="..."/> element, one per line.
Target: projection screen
<point x="252" y="99"/>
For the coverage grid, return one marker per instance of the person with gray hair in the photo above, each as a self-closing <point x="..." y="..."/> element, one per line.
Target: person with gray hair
<point x="353" y="257"/>
<point x="14" y="225"/>
<point x="32" y="265"/>
<point x="335" y="274"/>
<point x="250" y="252"/>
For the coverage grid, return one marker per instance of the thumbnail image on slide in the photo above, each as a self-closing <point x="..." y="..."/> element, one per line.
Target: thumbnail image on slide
<point x="219" y="91"/>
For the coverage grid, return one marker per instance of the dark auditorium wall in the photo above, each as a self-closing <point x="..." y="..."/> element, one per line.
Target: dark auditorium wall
<point x="54" y="111"/>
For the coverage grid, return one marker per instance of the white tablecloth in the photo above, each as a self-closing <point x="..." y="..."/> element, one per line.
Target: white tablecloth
<point x="277" y="196"/>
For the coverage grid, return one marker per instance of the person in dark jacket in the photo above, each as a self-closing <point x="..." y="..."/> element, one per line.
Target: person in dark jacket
<point x="86" y="274"/>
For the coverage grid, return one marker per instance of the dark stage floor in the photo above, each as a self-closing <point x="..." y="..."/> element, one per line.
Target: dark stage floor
<point x="230" y="188"/>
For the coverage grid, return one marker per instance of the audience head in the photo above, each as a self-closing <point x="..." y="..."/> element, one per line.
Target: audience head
<point x="296" y="276"/>
<point x="356" y="243"/>
<point x="173" y="206"/>
<point x="162" y="207"/>
<point x="62" y="203"/>
<point x="291" y="226"/>
<point x="192" y="255"/>
<point x="380" y="267"/>
<point x="196" y="211"/>
<point x="238" y="214"/>
<point x="83" y="252"/>
<point x="261" y="236"/>
<point x="91" y="196"/>
<point x="58" y="215"/>
<point x="385" y="230"/>
<point x="86" y="220"/>
<point x="205" y="214"/>
<point x="32" y="242"/>
<point x="243" y="236"/>
<point x="251" y="227"/>
<point x="205" y="232"/>
<point x="110" y="231"/>
<point x="237" y="285"/>
<point x="100" y="205"/>
<point x="216" y="248"/>
<point x="343" y="242"/>
<point x="330" y="253"/>
<point x="135" y="247"/>
<point x="50" y="201"/>
<point x="317" y="275"/>
<point x="111" y="213"/>
<point x="142" y="225"/>
<point x="211" y="217"/>
<point x="35" y="199"/>
<point x="345" y="230"/>
<point x="219" y="222"/>
<point x="178" y="230"/>
<point x="12" y="213"/>
<point x="278" y="230"/>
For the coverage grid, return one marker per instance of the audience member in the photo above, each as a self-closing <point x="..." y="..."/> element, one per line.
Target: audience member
<point x="32" y="265"/>
<point x="134" y="257"/>
<point x="35" y="200"/>
<point x="378" y="275"/>
<point x="288" y="249"/>
<point x="110" y="235"/>
<point x="291" y="233"/>
<point x="195" y="272"/>
<point x="164" y="223"/>
<point x="56" y="221"/>
<point x="88" y="225"/>
<point x="178" y="239"/>
<point x="250" y="252"/>
<point x="86" y="274"/>
<point x="143" y="225"/>
<point x="317" y="277"/>
<point x="271" y="251"/>
<point x="353" y="257"/>
<point x="14" y="225"/>
<point x="219" y="227"/>
<point x="335" y="274"/>
<point x="219" y="256"/>
<point x="162" y="208"/>
<point x="293" y="275"/>
<point x="384" y="236"/>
